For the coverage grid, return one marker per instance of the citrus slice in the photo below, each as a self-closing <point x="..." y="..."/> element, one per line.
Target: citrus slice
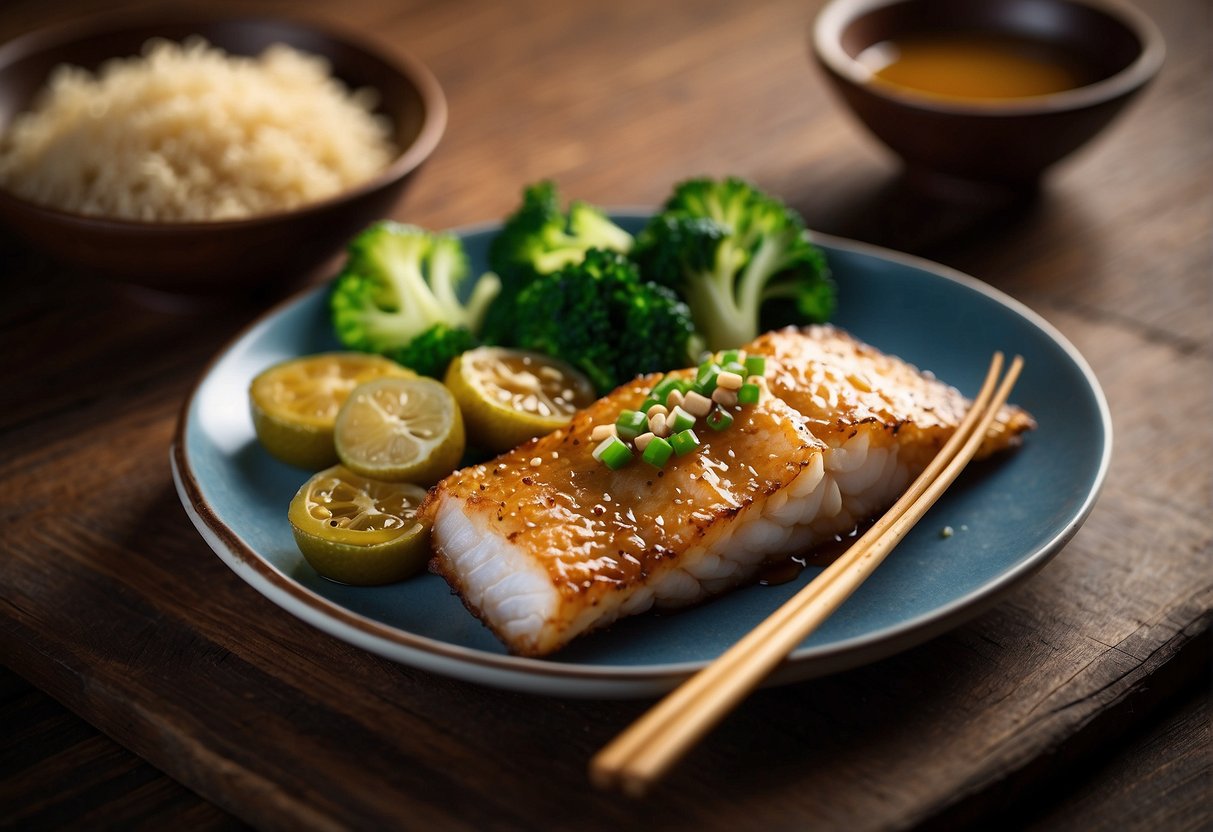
<point x="295" y="403"/>
<point x="508" y="396"/>
<point x="357" y="530"/>
<point x="400" y="429"/>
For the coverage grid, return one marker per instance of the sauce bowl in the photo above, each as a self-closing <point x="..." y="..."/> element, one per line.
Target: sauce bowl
<point x="1003" y="142"/>
<point x="210" y="258"/>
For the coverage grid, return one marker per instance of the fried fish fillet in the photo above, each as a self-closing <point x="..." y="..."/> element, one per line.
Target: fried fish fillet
<point x="881" y="418"/>
<point x="545" y="543"/>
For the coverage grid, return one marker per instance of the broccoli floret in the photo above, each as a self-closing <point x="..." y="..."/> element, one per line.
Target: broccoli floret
<point x="538" y="239"/>
<point x="599" y="316"/>
<point x="740" y="258"/>
<point x="397" y="295"/>
<point x="431" y="352"/>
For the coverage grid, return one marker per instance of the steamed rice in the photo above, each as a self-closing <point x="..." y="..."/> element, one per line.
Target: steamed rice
<point x="186" y="132"/>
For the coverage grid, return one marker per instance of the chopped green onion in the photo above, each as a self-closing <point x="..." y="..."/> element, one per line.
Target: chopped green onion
<point x="630" y="424"/>
<point x="613" y="453"/>
<point x="684" y="442"/>
<point x="708" y="369"/>
<point x="662" y="388"/>
<point x="729" y="356"/>
<point x="649" y="402"/>
<point x="719" y="419"/>
<point x="755" y="365"/>
<point x="748" y="394"/>
<point x="735" y="367"/>
<point x="706" y="380"/>
<point x="657" y="452"/>
<point x="679" y="420"/>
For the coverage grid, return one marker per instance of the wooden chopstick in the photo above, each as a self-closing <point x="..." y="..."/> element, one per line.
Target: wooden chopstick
<point x="639" y="756"/>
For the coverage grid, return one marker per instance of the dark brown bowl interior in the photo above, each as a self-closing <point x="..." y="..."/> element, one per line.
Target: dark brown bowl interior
<point x="198" y="257"/>
<point x="1008" y="141"/>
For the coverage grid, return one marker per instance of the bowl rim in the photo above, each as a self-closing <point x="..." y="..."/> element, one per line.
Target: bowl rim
<point x="836" y="15"/>
<point x="406" y="160"/>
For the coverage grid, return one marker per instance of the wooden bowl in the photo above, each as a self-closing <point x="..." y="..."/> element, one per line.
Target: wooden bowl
<point x="1006" y="142"/>
<point x="217" y="257"/>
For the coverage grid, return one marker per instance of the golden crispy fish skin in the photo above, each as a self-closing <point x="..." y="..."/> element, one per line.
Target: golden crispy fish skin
<point x="545" y="542"/>
<point x="837" y="381"/>
<point x="881" y="418"/>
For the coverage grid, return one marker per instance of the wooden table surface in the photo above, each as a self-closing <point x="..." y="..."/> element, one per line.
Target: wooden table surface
<point x="1096" y="668"/>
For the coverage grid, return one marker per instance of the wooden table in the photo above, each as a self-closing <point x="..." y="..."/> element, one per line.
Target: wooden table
<point x="114" y="606"/>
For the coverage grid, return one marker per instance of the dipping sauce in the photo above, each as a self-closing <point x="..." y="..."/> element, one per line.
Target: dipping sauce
<point x="974" y="66"/>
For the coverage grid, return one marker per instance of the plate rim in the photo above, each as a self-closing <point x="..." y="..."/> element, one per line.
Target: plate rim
<point x="615" y="681"/>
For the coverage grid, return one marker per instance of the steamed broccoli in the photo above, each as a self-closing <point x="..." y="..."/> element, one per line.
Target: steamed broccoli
<point x="398" y="295"/>
<point x="740" y="258"/>
<point x="599" y="316"/>
<point x="538" y="239"/>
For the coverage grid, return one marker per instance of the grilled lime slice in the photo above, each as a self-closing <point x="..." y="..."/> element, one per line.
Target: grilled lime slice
<point x="509" y="396"/>
<point x="400" y="430"/>
<point x="294" y="403"/>
<point x="357" y="530"/>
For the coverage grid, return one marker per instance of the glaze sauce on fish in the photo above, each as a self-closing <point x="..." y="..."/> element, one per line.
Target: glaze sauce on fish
<point x="821" y="556"/>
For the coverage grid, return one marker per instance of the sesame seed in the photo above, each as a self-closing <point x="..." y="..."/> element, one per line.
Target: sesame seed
<point x="536" y="461"/>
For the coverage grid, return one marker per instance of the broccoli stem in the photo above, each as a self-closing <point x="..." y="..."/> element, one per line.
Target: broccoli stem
<point x="443" y="265"/>
<point x="721" y="320"/>
<point x="486" y="290"/>
<point x="755" y="278"/>
<point x="416" y="307"/>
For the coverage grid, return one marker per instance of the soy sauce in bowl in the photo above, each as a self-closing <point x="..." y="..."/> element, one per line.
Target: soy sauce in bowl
<point x="985" y="94"/>
<point x="975" y="65"/>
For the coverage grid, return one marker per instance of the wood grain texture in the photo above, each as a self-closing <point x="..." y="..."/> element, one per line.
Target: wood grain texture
<point x="111" y="602"/>
<point x="1164" y="782"/>
<point x="57" y="772"/>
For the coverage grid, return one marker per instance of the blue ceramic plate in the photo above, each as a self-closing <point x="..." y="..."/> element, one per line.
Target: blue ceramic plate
<point x="1010" y="514"/>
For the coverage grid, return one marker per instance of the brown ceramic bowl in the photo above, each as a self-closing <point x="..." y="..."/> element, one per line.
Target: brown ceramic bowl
<point x="1007" y="141"/>
<point x="216" y="257"/>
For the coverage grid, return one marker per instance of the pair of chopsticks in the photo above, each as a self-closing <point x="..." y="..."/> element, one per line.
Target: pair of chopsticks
<point x="639" y="756"/>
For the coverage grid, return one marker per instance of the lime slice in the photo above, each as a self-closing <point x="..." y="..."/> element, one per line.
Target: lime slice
<point x="400" y="429"/>
<point x="357" y="530"/>
<point x="509" y="396"/>
<point x="295" y="403"/>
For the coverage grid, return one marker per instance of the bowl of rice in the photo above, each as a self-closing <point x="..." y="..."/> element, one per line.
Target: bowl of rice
<point x="205" y="155"/>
